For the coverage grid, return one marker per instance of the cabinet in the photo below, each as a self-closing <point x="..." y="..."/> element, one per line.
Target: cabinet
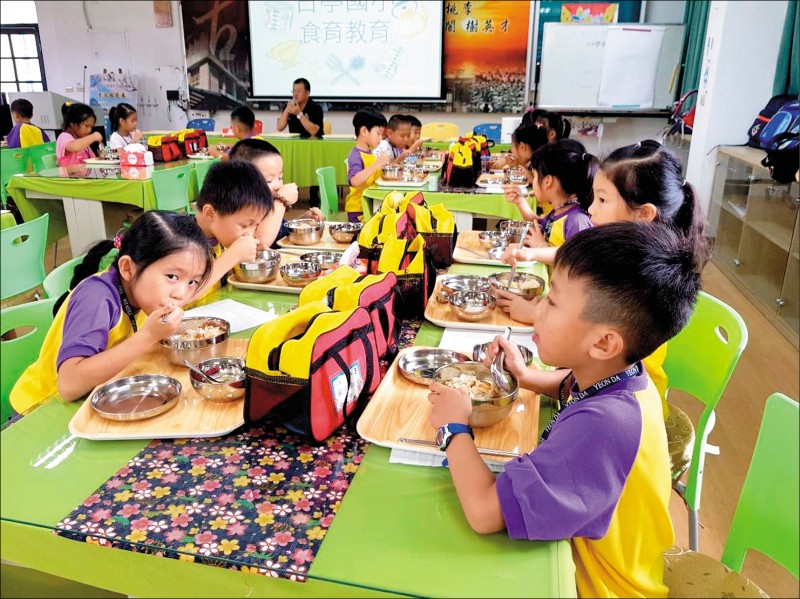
<point x="754" y="224"/>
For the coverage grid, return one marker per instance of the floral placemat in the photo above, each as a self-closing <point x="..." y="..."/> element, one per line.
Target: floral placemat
<point x="260" y="500"/>
<point x="408" y="333"/>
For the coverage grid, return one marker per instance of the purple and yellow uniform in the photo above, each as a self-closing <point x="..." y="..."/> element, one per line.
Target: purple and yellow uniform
<point x="90" y="321"/>
<point x="357" y="161"/>
<point x="601" y="479"/>
<point x="560" y="228"/>
<point x="23" y="135"/>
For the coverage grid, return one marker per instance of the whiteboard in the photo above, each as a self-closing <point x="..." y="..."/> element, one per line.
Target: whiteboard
<point x="641" y="74"/>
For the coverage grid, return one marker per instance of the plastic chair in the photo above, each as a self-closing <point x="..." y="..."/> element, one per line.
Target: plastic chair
<point x="22" y="256"/>
<point x="204" y="124"/>
<point x="19" y="353"/>
<point x="14" y="162"/>
<point x="439" y="131"/>
<point x="766" y="517"/>
<point x="201" y="170"/>
<point x="700" y="360"/>
<point x="42" y="156"/>
<point x="328" y="192"/>
<point x="171" y="186"/>
<point x="258" y="127"/>
<point x="490" y="131"/>
<point x="57" y="282"/>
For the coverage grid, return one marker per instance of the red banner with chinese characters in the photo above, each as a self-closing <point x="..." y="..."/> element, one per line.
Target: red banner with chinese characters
<point x="485" y="51"/>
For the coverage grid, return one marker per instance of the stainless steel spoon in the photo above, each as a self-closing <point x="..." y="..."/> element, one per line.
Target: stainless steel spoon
<point x="499" y="376"/>
<point x="195" y="368"/>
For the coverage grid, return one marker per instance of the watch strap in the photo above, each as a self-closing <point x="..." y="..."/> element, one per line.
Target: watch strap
<point x="452" y="429"/>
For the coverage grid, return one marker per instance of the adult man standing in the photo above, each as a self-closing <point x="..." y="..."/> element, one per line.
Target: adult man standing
<point x="302" y="114"/>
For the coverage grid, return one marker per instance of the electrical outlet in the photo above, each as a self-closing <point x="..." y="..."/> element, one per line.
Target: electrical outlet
<point x="173" y="95"/>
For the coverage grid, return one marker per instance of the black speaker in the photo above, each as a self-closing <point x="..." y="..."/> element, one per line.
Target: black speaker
<point x="6" y="123"/>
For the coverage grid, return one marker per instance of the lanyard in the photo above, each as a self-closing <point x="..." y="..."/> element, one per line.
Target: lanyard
<point x="126" y="305"/>
<point x="581" y="395"/>
<point x="551" y="218"/>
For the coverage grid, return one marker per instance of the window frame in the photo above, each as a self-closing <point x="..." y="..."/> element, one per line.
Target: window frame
<point x="17" y="29"/>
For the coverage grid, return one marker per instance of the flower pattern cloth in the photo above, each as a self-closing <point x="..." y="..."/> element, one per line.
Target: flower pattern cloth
<point x="260" y="500"/>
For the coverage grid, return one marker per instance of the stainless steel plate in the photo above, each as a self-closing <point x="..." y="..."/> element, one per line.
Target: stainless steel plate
<point x="136" y="397"/>
<point x="419" y="365"/>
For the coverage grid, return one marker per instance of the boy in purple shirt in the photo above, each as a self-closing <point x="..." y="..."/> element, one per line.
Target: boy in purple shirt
<point x="24" y="133"/>
<point x="600" y="475"/>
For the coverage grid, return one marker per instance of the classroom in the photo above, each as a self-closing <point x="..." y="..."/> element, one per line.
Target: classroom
<point x="408" y="298"/>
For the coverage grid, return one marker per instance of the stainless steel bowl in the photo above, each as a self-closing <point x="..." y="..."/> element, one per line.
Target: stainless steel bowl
<point x="512" y="229"/>
<point x="136" y="397"/>
<point x="391" y="172"/>
<point x="472" y="306"/>
<point x="491" y="239"/>
<point x="486" y="411"/>
<point x="524" y="284"/>
<point x="518" y="175"/>
<point x="324" y="259"/>
<point x="453" y="283"/>
<point x="264" y="268"/>
<point x="305" y="231"/>
<point x="300" y="274"/>
<point x="345" y="232"/>
<point x="183" y="346"/>
<point x="420" y="364"/>
<point x="230" y="371"/>
<point x="479" y="353"/>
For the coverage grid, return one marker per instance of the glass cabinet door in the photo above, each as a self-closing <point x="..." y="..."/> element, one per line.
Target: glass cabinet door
<point x="725" y="223"/>
<point x="789" y="301"/>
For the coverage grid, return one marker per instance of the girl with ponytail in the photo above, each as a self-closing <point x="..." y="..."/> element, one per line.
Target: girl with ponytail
<point x="111" y="318"/>
<point x="125" y="125"/>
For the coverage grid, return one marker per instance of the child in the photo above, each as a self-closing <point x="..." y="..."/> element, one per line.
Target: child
<point x="73" y="144"/>
<point x="113" y="317"/>
<point x="363" y="166"/>
<point x="562" y="175"/>
<point x="267" y="159"/>
<point x="600" y="475"/>
<point x="124" y="121"/>
<point x="234" y="201"/>
<point x="526" y="139"/>
<point x="397" y="144"/>
<point x="242" y="122"/>
<point x="639" y="183"/>
<point x="24" y="133"/>
<point x="555" y="125"/>
<point x="416" y="129"/>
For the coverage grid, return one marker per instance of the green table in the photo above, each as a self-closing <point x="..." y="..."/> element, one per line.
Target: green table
<point x="78" y="198"/>
<point x="400" y="529"/>
<point x="6" y="219"/>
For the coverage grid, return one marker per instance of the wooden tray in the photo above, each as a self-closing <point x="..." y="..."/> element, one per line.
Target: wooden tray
<point x="326" y="243"/>
<point x="497" y="320"/>
<point x="276" y="284"/>
<point x="381" y="182"/>
<point x="487" y="180"/>
<point x="400" y="408"/>
<point x="192" y="417"/>
<point x="470" y="251"/>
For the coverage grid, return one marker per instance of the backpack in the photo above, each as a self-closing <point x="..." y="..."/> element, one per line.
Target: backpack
<point x="682" y="117"/>
<point x="780" y="115"/>
<point x="462" y="163"/>
<point x="783" y="157"/>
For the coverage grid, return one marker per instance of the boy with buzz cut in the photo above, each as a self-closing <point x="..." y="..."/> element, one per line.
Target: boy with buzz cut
<point x="24" y="133"/>
<point x="397" y="143"/>
<point x="363" y="167"/>
<point x="600" y="475"/>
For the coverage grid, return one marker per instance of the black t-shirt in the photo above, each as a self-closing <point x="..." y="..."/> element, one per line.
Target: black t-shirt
<point x="314" y="113"/>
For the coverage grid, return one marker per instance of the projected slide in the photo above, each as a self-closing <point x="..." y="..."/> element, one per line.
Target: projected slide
<point x="347" y="50"/>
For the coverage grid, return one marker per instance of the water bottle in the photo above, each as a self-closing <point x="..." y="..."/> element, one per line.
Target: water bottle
<point x="107" y="124"/>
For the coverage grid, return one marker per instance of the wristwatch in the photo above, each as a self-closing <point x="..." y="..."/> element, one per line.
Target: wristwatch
<point x="301" y="115"/>
<point x="446" y="432"/>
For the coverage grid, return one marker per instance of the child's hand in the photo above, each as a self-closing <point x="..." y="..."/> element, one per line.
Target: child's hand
<point x="96" y="136"/>
<point x="517" y="307"/>
<point x="383" y="159"/>
<point x="314" y="213"/>
<point x="289" y="193"/>
<point x="136" y="136"/>
<point x="163" y="322"/>
<point x="512" y="194"/>
<point x="513" y="361"/>
<point x="245" y="248"/>
<point x="514" y="254"/>
<point x="449" y="405"/>
<point x="535" y="238"/>
<point x="415" y="146"/>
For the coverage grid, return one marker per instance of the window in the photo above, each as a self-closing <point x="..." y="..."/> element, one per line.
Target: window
<point x="21" y="65"/>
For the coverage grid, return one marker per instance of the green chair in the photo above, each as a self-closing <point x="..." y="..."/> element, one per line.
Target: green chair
<point x="18" y="353"/>
<point x="700" y="360"/>
<point x="43" y="156"/>
<point x="57" y="282"/>
<point x="22" y="256"/>
<point x="766" y="517"/>
<point x="201" y="169"/>
<point x="171" y="186"/>
<point x="13" y="161"/>
<point x="328" y="192"/>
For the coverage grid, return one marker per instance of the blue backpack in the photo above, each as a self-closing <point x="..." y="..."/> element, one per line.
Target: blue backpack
<point x="780" y="115"/>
